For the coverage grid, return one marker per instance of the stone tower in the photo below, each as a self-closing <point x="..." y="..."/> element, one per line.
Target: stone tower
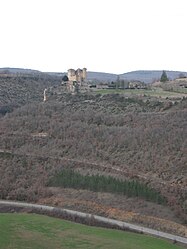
<point x="71" y="75"/>
<point x="84" y="73"/>
<point x="79" y="75"/>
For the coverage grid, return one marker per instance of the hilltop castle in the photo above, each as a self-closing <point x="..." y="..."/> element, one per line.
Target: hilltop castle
<point x="78" y="75"/>
<point x="77" y="80"/>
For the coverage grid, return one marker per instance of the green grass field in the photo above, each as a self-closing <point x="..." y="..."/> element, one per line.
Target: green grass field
<point x="31" y="231"/>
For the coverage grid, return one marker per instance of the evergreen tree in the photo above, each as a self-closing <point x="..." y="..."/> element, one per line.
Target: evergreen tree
<point x="100" y="183"/>
<point x="164" y="77"/>
<point x="65" y="78"/>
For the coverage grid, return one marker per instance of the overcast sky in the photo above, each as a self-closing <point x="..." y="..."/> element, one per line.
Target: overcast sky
<point x="114" y="36"/>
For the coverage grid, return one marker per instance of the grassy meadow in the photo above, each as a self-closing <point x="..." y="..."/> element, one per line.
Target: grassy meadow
<point x="31" y="231"/>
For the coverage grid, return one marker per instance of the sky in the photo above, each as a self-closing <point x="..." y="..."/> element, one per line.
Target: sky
<point x="113" y="36"/>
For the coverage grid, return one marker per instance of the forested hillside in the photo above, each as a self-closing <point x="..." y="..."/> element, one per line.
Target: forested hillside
<point x="128" y="138"/>
<point x="18" y="90"/>
<point x="132" y="146"/>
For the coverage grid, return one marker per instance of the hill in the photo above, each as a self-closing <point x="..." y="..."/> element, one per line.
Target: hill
<point x="129" y="138"/>
<point x="136" y="138"/>
<point x="149" y="76"/>
<point x="98" y="76"/>
<point x="18" y="70"/>
<point x="18" y="90"/>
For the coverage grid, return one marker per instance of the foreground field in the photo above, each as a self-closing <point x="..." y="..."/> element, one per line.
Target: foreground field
<point x="35" y="232"/>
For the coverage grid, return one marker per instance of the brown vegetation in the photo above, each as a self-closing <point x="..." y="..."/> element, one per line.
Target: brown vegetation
<point x="18" y="90"/>
<point x="136" y="138"/>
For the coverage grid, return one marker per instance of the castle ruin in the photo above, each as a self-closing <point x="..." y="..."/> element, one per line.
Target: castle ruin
<point x="78" y="75"/>
<point x="77" y="80"/>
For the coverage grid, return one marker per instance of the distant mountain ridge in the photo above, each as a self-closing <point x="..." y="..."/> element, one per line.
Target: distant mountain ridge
<point x="19" y="70"/>
<point x="99" y="76"/>
<point x="147" y="76"/>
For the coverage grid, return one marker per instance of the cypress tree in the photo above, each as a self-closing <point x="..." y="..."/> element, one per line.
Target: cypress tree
<point x="164" y="77"/>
